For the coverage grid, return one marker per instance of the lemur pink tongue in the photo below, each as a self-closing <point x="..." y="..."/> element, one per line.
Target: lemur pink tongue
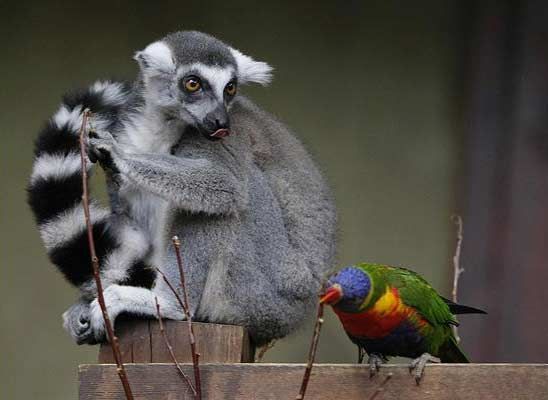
<point x="220" y="133"/>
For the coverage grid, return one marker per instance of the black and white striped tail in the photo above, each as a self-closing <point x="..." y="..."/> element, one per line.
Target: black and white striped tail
<point x="55" y="193"/>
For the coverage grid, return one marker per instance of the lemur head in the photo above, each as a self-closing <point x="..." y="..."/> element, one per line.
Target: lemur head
<point x="194" y="78"/>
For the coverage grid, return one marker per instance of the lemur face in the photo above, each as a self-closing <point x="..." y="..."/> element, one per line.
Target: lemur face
<point x="193" y="77"/>
<point x="205" y="93"/>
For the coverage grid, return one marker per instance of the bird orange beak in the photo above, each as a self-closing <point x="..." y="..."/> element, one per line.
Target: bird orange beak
<point x="332" y="295"/>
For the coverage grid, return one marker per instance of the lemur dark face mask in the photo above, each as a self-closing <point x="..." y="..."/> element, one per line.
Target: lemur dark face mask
<point x="205" y="93"/>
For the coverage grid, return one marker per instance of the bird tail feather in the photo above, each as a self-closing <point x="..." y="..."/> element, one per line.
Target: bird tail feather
<point x="462" y="309"/>
<point x="450" y="352"/>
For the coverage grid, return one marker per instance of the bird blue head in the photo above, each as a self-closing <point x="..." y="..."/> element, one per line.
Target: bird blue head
<point x="347" y="289"/>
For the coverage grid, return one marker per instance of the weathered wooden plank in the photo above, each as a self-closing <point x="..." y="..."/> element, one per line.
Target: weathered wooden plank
<point x="215" y="342"/>
<point x="141" y="342"/>
<point x="328" y="381"/>
<point x="134" y="339"/>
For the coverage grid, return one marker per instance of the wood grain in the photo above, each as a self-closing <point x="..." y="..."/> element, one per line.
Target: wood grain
<point x="328" y="382"/>
<point x="134" y="341"/>
<point x="141" y="342"/>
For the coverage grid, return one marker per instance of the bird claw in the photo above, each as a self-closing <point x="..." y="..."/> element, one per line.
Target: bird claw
<point x="361" y="354"/>
<point x="375" y="361"/>
<point x="418" y="364"/>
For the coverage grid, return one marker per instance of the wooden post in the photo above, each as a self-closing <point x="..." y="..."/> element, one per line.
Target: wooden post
<point x="141" y="342"/>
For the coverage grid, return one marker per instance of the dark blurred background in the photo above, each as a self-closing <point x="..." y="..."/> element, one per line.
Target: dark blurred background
<point x="415" y="111"/>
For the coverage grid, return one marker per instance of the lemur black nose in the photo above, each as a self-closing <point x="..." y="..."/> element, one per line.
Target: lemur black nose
<point x="217" y="123"/>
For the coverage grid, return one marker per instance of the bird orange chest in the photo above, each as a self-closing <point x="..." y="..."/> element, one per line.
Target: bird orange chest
<point x="387" y="313"/>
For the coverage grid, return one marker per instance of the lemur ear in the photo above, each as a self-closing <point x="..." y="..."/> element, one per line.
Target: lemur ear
<point x="156" y="59"/>
<point x="250" y="70"/>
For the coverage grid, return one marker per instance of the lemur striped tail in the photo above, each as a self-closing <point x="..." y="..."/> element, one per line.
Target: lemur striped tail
<point x="55" y="190"/>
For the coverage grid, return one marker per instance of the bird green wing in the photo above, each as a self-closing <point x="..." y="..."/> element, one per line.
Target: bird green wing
<point x="417" y="293"/>
<point x="414" y="291"/>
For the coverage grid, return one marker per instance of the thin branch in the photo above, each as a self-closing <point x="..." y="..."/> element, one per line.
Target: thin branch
<point x="264" y="349"/>
<point x="95" y="262"/>
<point x="311" y="352"/>
<point x="168" y="283"/>
<point x="189" y="323"/>
<point x="380" y="388"/>
<point x="170" y="349"/>
<point x="195" y="355"/>
<point x="456" y="267"/>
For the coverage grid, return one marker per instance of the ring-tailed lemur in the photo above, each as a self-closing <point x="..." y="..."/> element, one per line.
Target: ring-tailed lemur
<point x="185" y="154"/>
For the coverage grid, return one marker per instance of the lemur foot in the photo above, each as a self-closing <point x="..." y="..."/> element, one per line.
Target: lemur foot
<point x="375" y="361"/>
<point x="129" y="299"/>
<point x="76" y="321"/>
<point x="419" y="363"/>
<point x="96" y="321"/>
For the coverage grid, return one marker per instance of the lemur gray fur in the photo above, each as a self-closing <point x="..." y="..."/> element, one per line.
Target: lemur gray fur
<point x="254" y="214"/>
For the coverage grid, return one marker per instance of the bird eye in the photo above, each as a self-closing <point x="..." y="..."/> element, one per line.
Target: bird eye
<point x="192" y="84"/>
<point x="230" y="88"/>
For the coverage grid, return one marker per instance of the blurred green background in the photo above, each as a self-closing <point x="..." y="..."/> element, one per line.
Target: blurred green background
<point x="372" y="88"/>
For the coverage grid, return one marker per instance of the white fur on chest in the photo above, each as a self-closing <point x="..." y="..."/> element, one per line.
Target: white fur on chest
<point x="152" y="214"/>
<point x="149" y="133"/>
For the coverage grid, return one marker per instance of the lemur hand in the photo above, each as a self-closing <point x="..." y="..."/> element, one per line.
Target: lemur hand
<point x="113" y="302"/>
<point x="103" y="148"/>
<point x="76" y="321"/>
<point x="84" y="321"/>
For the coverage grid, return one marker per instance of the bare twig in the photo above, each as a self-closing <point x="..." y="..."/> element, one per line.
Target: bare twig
<point x="168" y="283"/>
<point x="195" y="355"/>
<point x="170" y="349"/>
<point x="311" y="352"/>
<point x="456" y="267"/>
<point x="184" y="305"/>
<point x="264" y="349"/>
<point x="95" y="263"/>
<point x="380" y="388"/>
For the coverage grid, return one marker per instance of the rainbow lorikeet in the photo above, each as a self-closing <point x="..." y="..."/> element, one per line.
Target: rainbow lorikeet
<point x="390" y="311"/>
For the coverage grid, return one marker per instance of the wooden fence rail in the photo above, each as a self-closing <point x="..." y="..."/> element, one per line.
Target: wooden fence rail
<point x="328" y="382"/>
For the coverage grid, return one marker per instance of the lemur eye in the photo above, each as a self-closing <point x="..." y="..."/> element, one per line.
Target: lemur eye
<point x="230" y="88"/>
<point x="192" y="84"/>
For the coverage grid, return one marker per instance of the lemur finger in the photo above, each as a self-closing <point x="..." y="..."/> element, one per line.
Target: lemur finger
<point x="104" y="157"/>
<point x="86" y="337"/>
<point x="92" y="157"/>
<point x="84" y="334"/>
<point x="95" y="153"/>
